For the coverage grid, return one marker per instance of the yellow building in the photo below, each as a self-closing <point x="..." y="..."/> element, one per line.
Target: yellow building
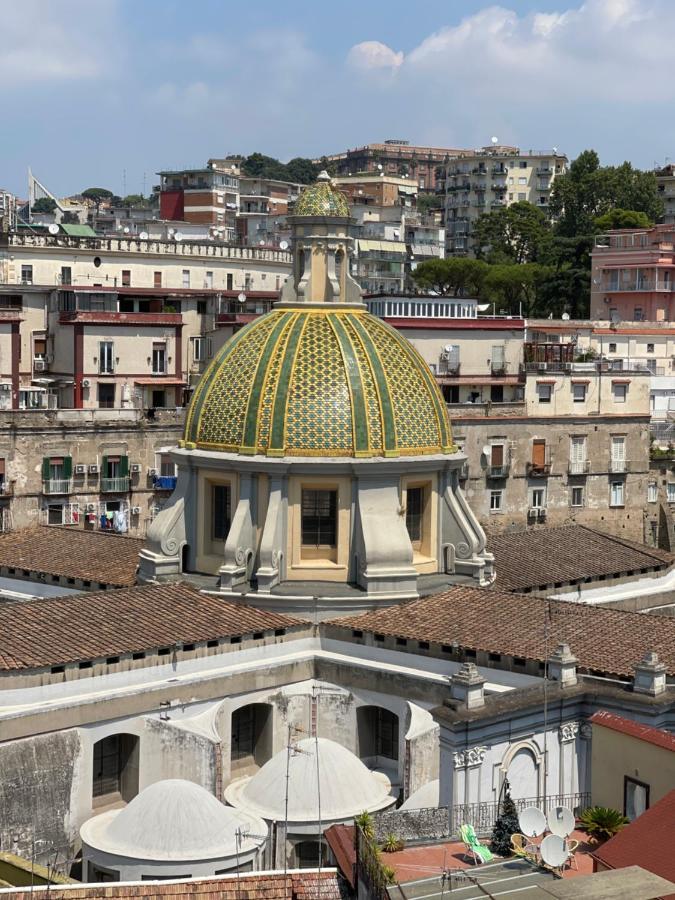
<point x="318" y="451"/>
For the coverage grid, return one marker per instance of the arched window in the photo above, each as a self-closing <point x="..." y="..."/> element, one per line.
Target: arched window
<point x="115" y="769"/>
<point x="251" y="737"/>
<point x="377" y="733"/>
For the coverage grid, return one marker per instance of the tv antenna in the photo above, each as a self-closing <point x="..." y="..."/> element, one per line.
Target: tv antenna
<point x="292" y="749"/>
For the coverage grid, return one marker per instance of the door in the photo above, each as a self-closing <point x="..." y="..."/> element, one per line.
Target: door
<point x="539" y="453"/>
<point x="497" y="455"/>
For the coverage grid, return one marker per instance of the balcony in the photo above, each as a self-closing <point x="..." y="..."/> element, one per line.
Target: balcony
<point x="117" y="485"/>
<point x="501" y="471"/>
<point x="578" y="466"/>
<point x="57" y="485"/>
<point x="538" y="470"/>
<point x="618" y="466"/>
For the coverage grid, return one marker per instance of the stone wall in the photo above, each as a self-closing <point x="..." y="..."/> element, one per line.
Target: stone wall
<point x="413" y="825"/>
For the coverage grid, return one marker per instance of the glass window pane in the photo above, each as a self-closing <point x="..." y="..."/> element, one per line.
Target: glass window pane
<point x="319" y="522"/>
<point x="221" y="511"/>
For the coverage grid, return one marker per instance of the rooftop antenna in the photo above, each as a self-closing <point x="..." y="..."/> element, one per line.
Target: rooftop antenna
<point x="292" y="749"/>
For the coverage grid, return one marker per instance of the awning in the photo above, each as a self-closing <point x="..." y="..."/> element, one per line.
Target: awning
<point x="78" y="230"/>
<point x="160" y="380"/>
<point x="382" y="247"/>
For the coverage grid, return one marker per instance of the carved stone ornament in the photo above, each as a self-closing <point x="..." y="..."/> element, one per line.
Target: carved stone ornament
<point x="471" y="757"/>
<point x="568" y="732"/>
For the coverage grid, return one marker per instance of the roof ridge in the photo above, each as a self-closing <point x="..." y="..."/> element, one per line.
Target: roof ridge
<point x="617" y="539"/>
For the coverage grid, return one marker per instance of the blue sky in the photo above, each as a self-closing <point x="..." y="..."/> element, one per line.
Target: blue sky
<point x="93" y="89"/>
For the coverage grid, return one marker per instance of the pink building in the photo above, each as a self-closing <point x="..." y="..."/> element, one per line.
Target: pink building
<point x="633" y="274"/>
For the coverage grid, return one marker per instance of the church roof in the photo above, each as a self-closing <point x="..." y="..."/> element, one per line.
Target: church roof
<point x="344" y="784"/>
<point x="173" y="820"/>
<point x="322" y="199"/>
<point x="319" y="382"/>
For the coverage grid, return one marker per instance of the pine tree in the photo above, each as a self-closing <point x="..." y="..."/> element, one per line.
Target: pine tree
<point x="506" y="825"/>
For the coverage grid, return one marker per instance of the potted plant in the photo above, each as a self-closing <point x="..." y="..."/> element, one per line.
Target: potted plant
<point x="392" y="843"/>
<point x="602" y="822"/>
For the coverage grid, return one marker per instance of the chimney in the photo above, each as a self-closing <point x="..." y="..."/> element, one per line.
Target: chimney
<point x="466" y="686"/>
<point x="650" y="675"/>
<point x="562" y="666"/>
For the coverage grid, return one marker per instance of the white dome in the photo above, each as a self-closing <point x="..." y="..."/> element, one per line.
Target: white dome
<point x="347" y="786"/>
<point x="426" y="797"/>
<point x="173" y="820"/>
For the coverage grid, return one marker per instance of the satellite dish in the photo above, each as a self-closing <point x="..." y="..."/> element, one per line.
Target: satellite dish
<point x="532" y="821"/>
<point x="560" y="821"/>
<point x="283" y="245"/>
<point x="448" y="348"/>
<point x="486" y="450"/>
<point x="126" y="229"/>
<point x="553" y="851"/>
<point x="494" y="139"/>
<point x="262" y="243"/>
<point x="53" y="228"/>
<point x="178" y="236"/>
<point x="555" y="149"/>
<point x="143" y="235"/>
<point x="242" y="297"/>
<point x="171" y="231"/>
<point x="565" y="317"/>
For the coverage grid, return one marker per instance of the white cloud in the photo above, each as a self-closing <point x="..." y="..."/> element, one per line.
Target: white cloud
<point x="374" y="55"/>
<point x="64" y="41"/>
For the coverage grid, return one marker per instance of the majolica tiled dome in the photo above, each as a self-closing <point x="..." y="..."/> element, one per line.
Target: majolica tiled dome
<point x="322" y="199"/>
<point x="319" y="382"/>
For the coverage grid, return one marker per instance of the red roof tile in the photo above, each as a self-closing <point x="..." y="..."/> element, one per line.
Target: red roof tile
<point x="634" y="729"/>
<point x="648" y="842"/>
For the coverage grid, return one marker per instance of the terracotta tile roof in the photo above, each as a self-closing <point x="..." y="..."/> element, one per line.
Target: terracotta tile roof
<point x="340" y="839"/>
<point x="634" y="729"/>
<point x="307" y="885"/>
<point x="73" y="553"/>
<point x="646" y="842"/>
<point x="605" y="640"/>
<point x="107" y="623"/>
<point x="536" y="558"/>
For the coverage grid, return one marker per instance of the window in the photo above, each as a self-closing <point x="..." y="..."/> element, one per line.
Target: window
<point x="26" y="274"/>
<point x="650" y="348"/>
<point x="63" y="514"/>
<point x="616" y="493"/>
<point x="638" y="314"/>
<point x="577" y="496"/>
<point x="57" y="470"/>
<point x="522" y="181"/>
<point x="157" y="279"/>
<point x="538" y="498"/>
<point x="39" y="348"/>
<point x="221" y="505"/>
<point x="115" y="769"/>
<point x="578" y="392"/>
<point x="186" y="278"/>
<point x="544" y="392"/>
<point x="159" y="358"/>
<point x="522" y="196"/>
<point x="652" y="492"/>
<point x="496" y="501"/>
<point x="208" y="280"/>
<point x="619" y="391"/>
<point x="106" y="395"/>
<point x="126" y="277"/>
<point x="635" y="797"/>
<point x="319" y="518"/>
<point x="577" y="455"/>
<point x="618" y="453"/>
<point x="230" y="285"/>
<point x="201" y="349"/>
<point x="414" y="510"/>
<point x="671" y="491"/>
<point x="66" y="275"/>
<point x="612" y="348"/>
<point x="106" y="357"/>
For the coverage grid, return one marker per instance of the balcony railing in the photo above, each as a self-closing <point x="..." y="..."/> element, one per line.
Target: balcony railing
<point x="617" y="466"/>
<point x="501" y="471"/>
<point x="115" y="485"/>
<point x="538" y="470"/>
<point x="578" y="466"/>
<point x="57" y="485"/>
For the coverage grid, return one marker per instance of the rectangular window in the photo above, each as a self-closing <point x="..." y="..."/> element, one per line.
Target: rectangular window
<point x="106" y="395"/>
<point x="66" y="275"/>
<point x="186" y="278"/>
<point x="578" y="453"/>
<point x="579" y="393"/>
<point x="414" y="510"/>
<point x="522" y="180"/>
<point x="230" y="285"/>
<point x="126" y="277"/>
<point x="638" y="314"/>
<point x="496" y="501"/>
<point x="612" y="348"/>
<point x="106" y="357"/>
<point x="619" y="392"/>
<point x="544" y="393"/>
<point x="521" y="196"/>
<point x="157" y="279"/>
<point x="635" y="797"/>
<point x="577" y="496"/>
<point x="26" y="274"/>
<point x="618" y="453"/>
<point x="159" y="359"/>
<point x="616" y="493"/>
<point x="319" y="518"/>
<point x="208" y="280"/>
<point x="538" y="498"/>
<point x="221" y="502"/>
<point x="652" y="492"/>
<point x="650" y="348"/>
<point x="39" y="348"/>
<point x="671" y="492"/>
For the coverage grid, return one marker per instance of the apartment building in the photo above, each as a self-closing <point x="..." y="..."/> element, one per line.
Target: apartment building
<point x="632" y="274"/>
<point x="490" y="179"/>
<point x="205" y="196"/>
<point x="396" y="157"/>
<point x="263" y="207"/>
<point x="103" y="322"/>
<point x="665" y="180"/>
<point x="8" y="210"/>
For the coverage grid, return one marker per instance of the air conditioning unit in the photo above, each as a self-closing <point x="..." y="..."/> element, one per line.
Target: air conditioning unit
<point x="80" y="469"/>
<point x="5" y="387"/>
<point x="135" y="510"/>
<point x="135" y="468"/>
<point x="91" y="507"/>
<point x="39" y="365"/>
<point x="94" y="469"/>
<point x="85" y="382"/>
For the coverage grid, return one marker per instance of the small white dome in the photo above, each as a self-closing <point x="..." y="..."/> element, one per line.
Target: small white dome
<point x="426" y="797"/>
<point x="173" y="820"/>
<point x="347" y="786"/>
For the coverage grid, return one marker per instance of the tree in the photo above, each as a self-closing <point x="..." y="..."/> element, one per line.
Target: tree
<point x="506" y="825"/>
<point x="426" y="202"/>
<point x="515" y="286"/>
<point x="257" y="165"/>
<point x="519" y="233"/>
<point x="44" y="205"/>
<point x="622" y="218"/>
<point x="301" y="170"/>
<point x="138" y="201"/>
<point x="453" y="277"/>
<point x="70" y="218"/>
<point x="97" y="194"/>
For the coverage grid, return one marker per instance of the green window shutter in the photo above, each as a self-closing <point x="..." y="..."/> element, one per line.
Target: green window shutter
<point x="67" y="466"/>
<point x="45" y="468"/>
<point x="124" y="466"/>
<point x="104" y="467"/>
